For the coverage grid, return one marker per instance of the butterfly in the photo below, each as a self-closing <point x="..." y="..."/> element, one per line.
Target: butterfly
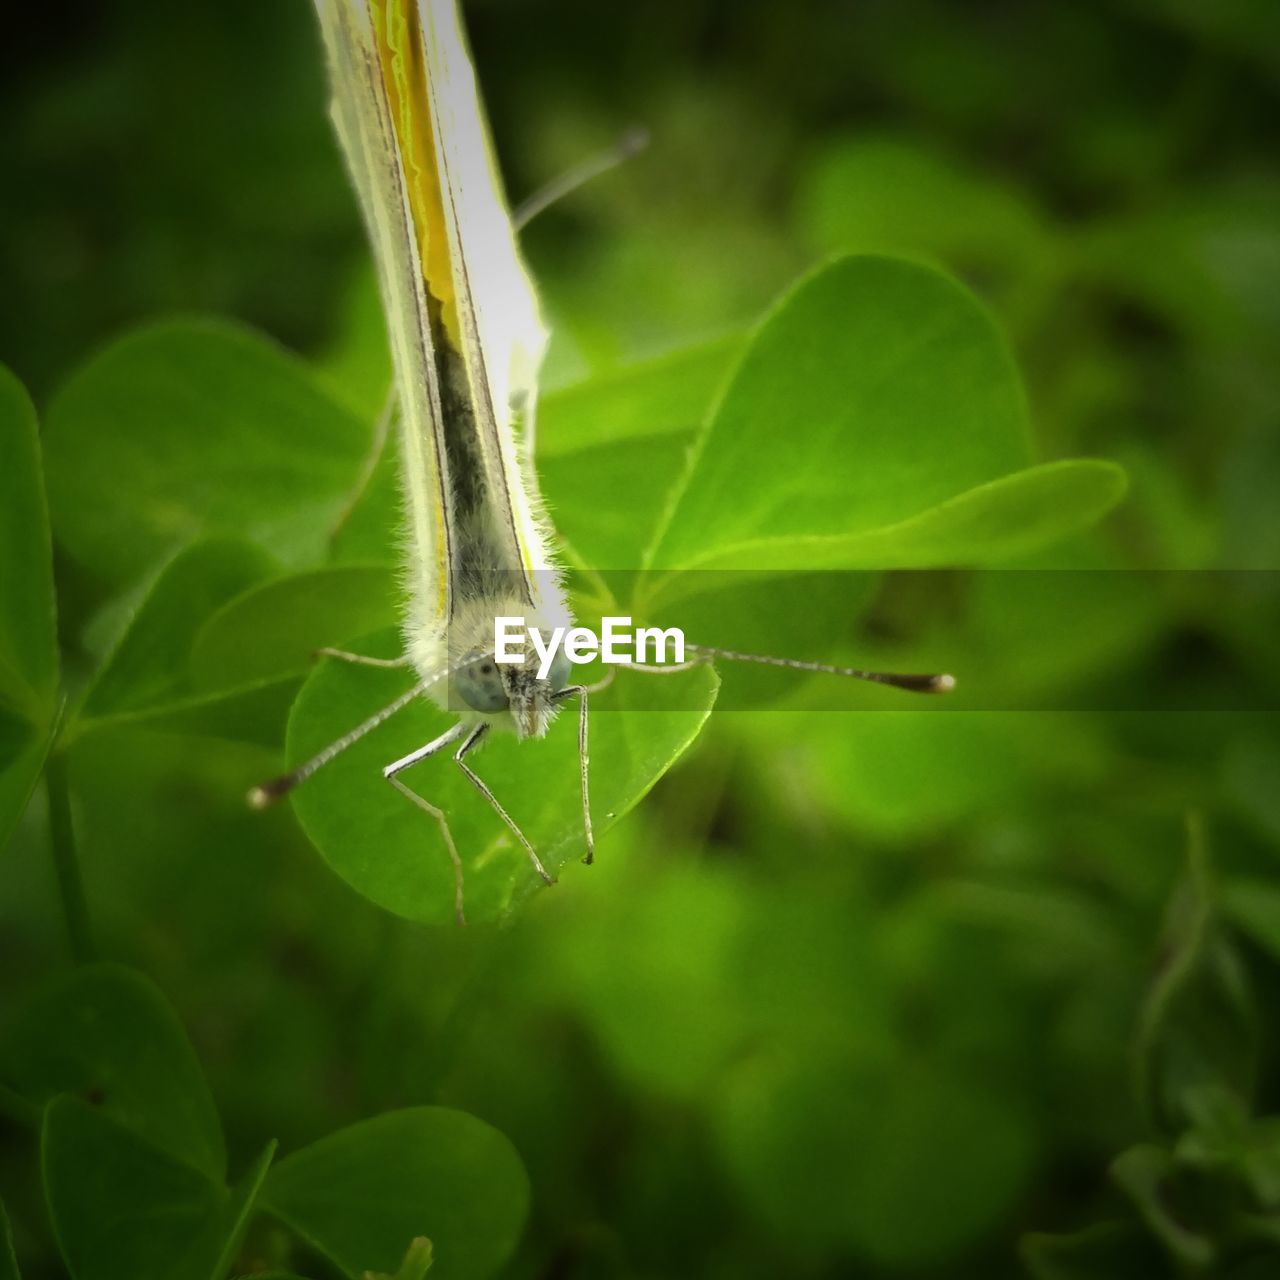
<point x="467" y="339"/>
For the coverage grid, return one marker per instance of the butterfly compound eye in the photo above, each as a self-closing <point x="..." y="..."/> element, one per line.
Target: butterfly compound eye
<point x="480" y="685"/>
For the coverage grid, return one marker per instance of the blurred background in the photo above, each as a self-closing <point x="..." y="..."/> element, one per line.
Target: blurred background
<point x="879" y="996"/>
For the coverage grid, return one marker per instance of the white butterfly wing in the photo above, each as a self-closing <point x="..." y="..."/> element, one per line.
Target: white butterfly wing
<point x="508" y="324"/>
<point x="362" y="116"/>
<point x="462" y="317"/>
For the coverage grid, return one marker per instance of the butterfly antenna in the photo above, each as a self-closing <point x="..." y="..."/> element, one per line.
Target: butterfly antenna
<point x="268" y="793"/>
<point x="940" y="683"/>
<point x="631" y="143"/>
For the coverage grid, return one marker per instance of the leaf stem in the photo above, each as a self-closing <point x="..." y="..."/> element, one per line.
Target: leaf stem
<point x="66" y="861"/>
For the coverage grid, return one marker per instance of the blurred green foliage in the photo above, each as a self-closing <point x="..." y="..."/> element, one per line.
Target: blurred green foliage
<point x="877" y="992"/>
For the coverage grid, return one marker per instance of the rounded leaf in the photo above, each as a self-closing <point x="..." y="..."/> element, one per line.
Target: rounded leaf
<point x="392" y="852"/>
<point x="187" y="428"/>
<point x="363" y="1194"/>
<point x="105" y="1034"/>
<point x="874" y="390"/>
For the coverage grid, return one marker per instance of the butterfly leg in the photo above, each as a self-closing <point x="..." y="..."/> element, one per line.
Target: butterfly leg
<point x="390" y="773"/>
<point x="580" y="691"/>
<point x="473" y="740"/>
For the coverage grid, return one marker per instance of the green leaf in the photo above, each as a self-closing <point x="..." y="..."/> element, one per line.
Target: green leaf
<point x="149" y="664"/>
<point x="636" y="473"/>
<point x="188" y="428"/>
<point x="362" y="1195"/>
<point x="670" y="394"/>
<point x="107" y="1035"/>
<point x="894" y="430"/>
<point x="28" y="636"/>
<point x="8" y="1259"/>
<point x="357" y="363"/>
<point x="23" y="752"/>
<point x="391" y="852"/>
<point x="275" y="627"/>
<point x="253" y="713"/>
<point x="122" y="1209"/>
<point x="827" y="387"/>
<point x="371" y="529"/>
<point x="148" y="675"/>
<point x="1006" y="518"/>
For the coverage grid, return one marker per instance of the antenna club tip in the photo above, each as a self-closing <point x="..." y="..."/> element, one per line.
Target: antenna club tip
<point x="944" y="683"/>
<point x="266" y="794"/>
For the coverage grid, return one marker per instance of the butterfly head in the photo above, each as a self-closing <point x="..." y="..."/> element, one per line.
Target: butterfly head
<point x="493" y="688"/>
